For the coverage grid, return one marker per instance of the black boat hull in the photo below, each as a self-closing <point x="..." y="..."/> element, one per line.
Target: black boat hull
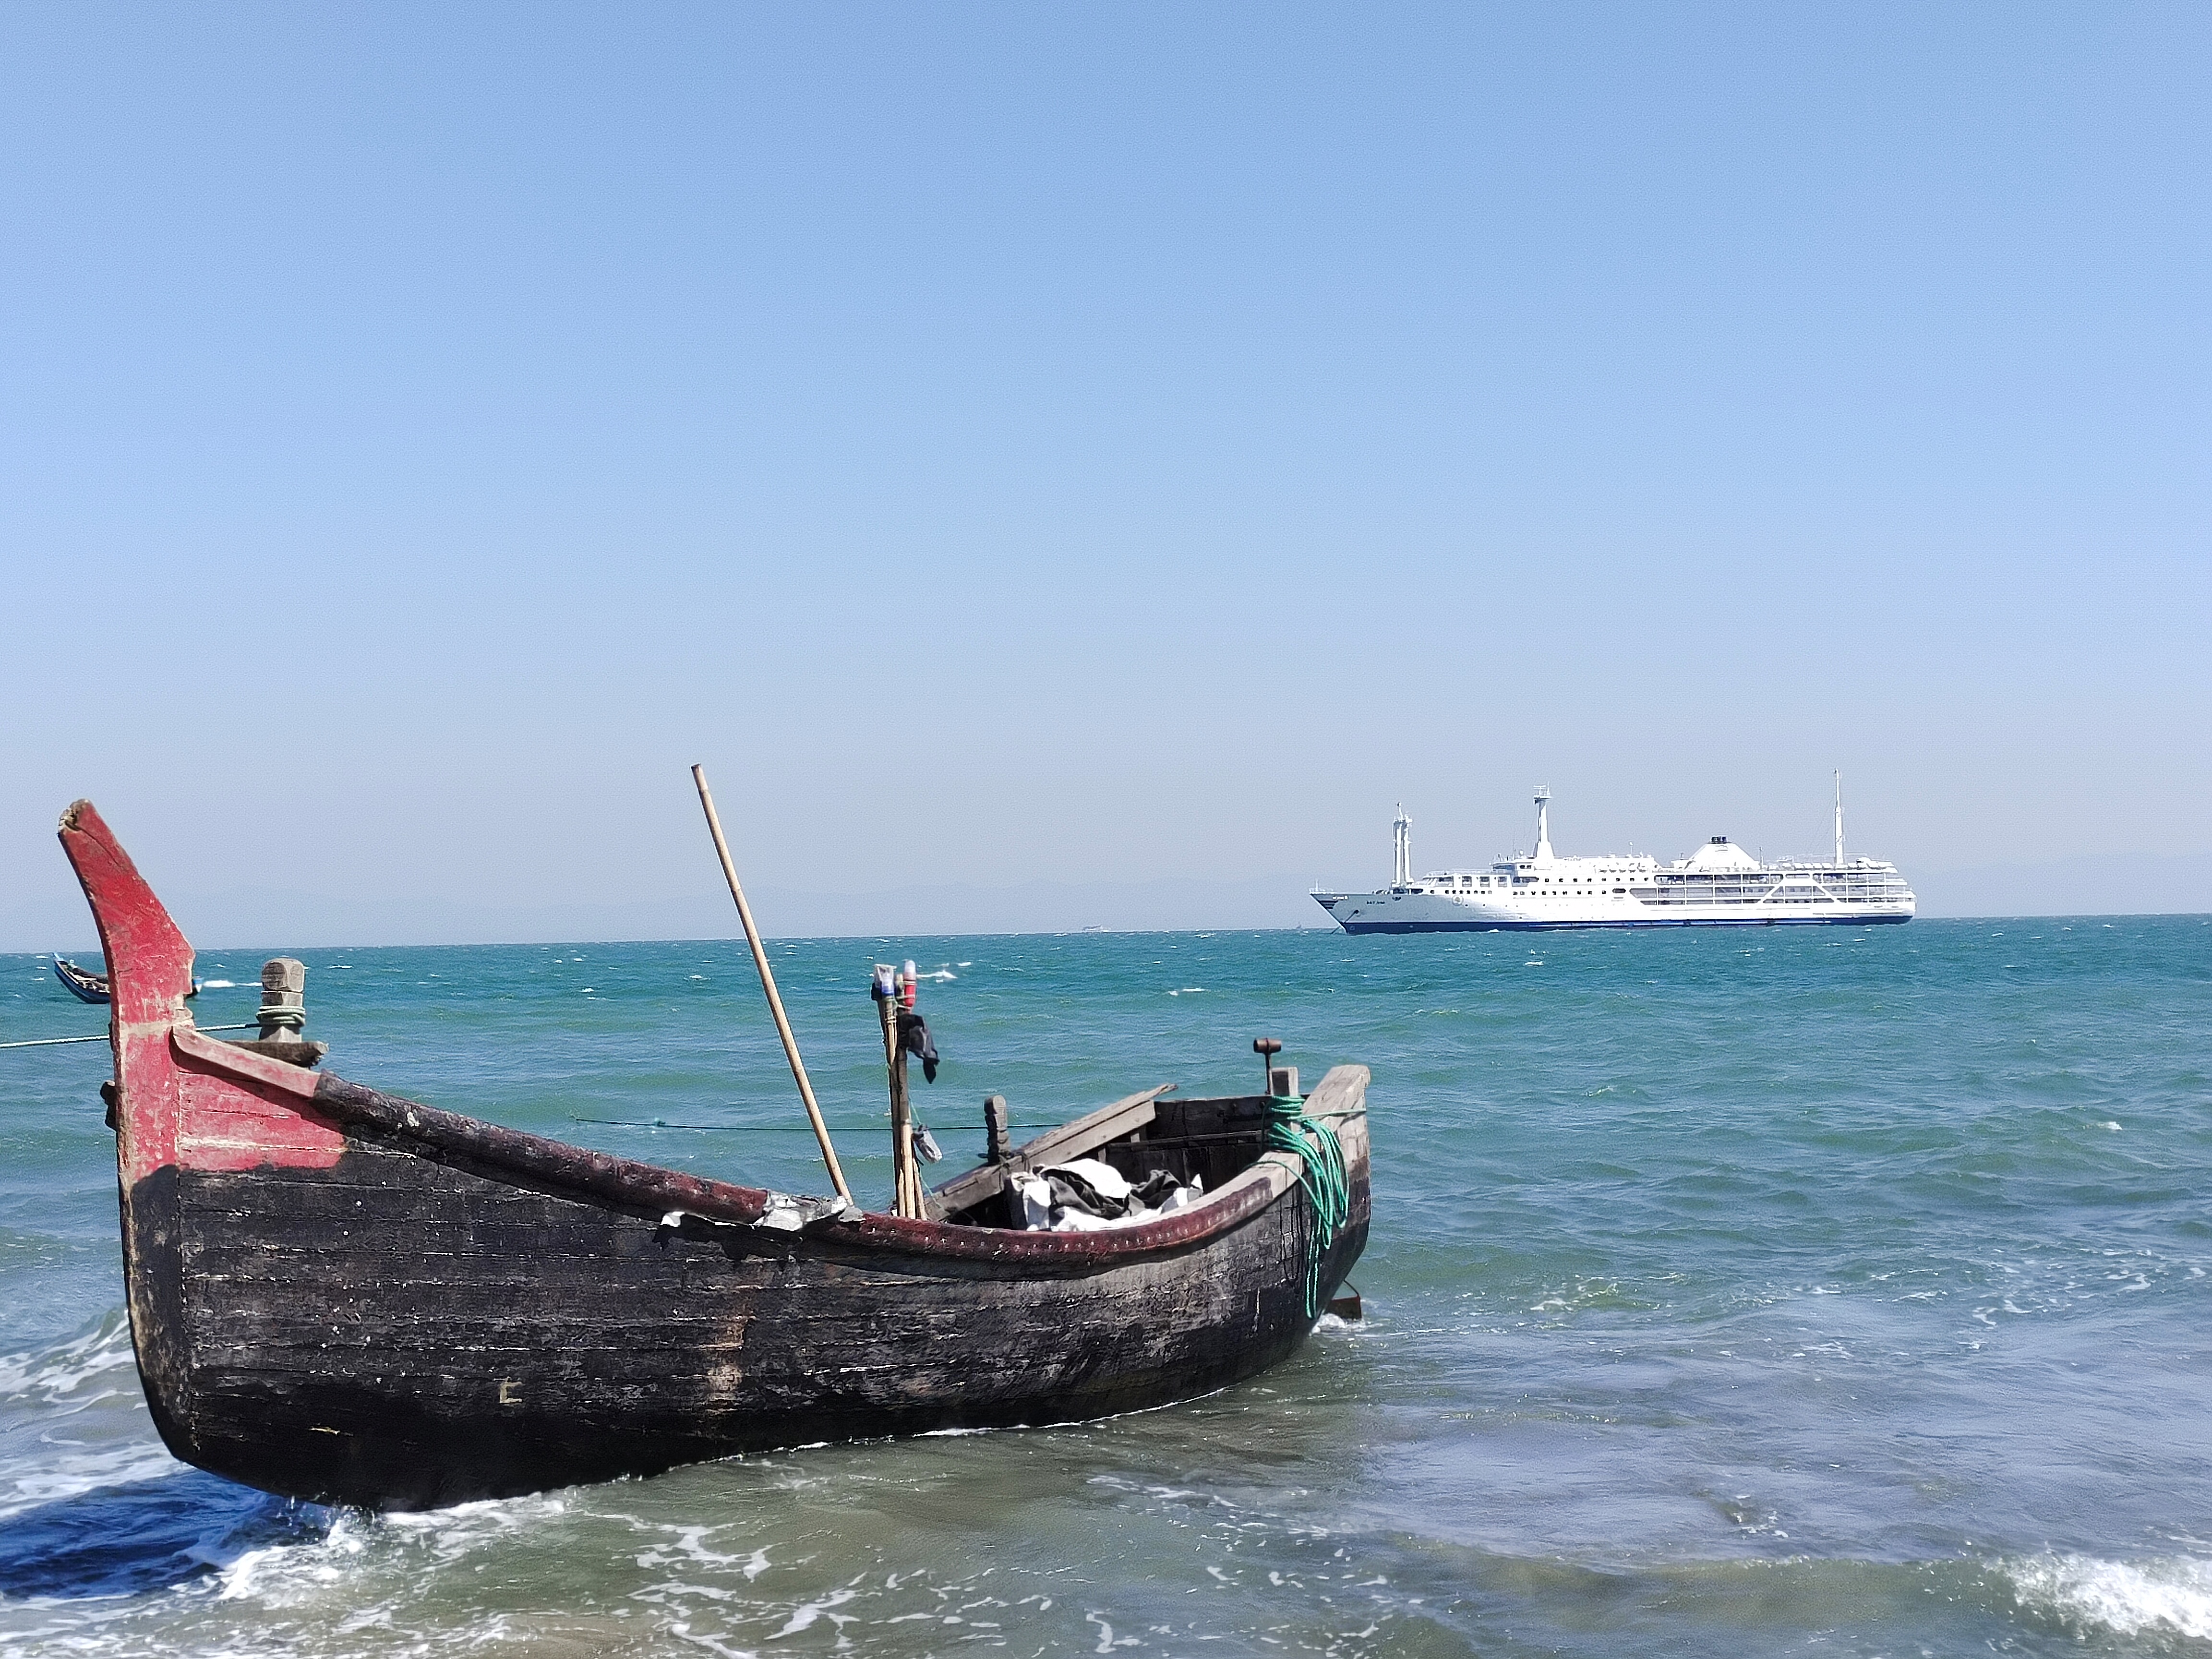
<point x="397" y="1333"/>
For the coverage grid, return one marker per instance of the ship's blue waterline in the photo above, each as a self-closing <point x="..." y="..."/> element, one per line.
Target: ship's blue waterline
<point x="1842" y="1290"/>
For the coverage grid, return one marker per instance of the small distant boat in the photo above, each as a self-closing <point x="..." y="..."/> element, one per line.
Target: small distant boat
<point x="342" y="1295"/>
<point x="83" y="984"/>
<point x="87" y="987"/>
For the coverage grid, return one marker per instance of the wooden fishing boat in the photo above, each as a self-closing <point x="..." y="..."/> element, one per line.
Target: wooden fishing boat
<point x="83" y="984"/>
<point x="341" y="1295"/>
<point x="87" y="987"/>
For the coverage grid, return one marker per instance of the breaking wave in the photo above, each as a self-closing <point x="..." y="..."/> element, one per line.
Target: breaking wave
<point x="92" y="1506"/>
<point x="57" y="1376"/>
<point x="2132" y="1598"/>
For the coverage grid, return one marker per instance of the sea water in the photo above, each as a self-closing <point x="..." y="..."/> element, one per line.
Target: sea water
<point x="1729" y="1292"/>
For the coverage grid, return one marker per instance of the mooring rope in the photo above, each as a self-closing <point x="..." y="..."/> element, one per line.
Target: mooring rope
<point x="55" y="1042"/>
<point x="1328" y="1187"/>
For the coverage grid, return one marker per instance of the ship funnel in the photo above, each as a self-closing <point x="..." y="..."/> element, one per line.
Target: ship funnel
<point x="1543" y="824"/>
<point x="1401" y="848"/>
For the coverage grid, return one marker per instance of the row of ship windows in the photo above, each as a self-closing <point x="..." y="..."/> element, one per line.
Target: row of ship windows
<point x="1823" y="898"/>
<point x="1854" y="894"/>
<point x="1583" y="884"/>
<point x="1713" y="883"/>
<point x="1597" y="892"/>
<point x="1522" y="881"/>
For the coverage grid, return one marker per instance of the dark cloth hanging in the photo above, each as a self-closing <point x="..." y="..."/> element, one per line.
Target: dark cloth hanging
<point x="914" y="1038"/>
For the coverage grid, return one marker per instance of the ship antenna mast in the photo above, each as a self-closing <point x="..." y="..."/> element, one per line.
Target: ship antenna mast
<point x="1839" y="816"/>
<point x="1401" y="848"/>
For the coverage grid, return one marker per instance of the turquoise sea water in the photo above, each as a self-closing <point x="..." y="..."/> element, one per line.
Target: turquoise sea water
<point x="1735" y="1293"/>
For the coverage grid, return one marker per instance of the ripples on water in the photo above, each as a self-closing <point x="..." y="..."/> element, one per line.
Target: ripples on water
<point x="1728" y="1293"/>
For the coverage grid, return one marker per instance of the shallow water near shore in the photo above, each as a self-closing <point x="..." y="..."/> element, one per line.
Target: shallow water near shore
<point x="1729" y="1292"/>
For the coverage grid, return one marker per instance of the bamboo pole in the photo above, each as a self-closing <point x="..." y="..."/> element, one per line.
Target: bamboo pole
<point x="767" y="984"/>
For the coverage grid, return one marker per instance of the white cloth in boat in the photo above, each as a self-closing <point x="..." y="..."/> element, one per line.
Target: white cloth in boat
<point x="1088" y="1193"/>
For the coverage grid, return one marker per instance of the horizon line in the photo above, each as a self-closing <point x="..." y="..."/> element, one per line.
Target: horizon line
<point x="1136" y="933"/>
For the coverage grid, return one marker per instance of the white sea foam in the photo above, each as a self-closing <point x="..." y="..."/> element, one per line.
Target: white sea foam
<point x="91" y="1429"/>
<point x="299" y="1574"/>
<point x="807" y="1612"/>
<point x="2164" y="1592"/>
<point x="689" y="1545"/>
<point x="78" y="1472"/>
<point x="50" y="1374"/>
<point x="218" y="985"/>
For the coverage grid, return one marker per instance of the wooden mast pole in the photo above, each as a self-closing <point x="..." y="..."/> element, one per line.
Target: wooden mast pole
<point x="906" y="1180"/>
<point x="767" y="984"/>
<point x="886" y="1009"/>
<point x="905" y="1133"/>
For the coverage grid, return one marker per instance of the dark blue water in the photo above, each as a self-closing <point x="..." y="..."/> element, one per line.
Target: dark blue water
<point x="1787" y="1291"/>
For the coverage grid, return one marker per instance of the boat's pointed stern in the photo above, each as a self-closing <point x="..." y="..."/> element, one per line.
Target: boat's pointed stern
<point x="150" y="965"/>
<point x="149" y="973"/>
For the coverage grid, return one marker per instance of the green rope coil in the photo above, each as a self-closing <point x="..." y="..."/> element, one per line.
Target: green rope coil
<point x="1327" y="1187"/>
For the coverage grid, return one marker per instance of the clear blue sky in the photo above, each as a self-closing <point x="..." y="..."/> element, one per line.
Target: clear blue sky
<point x="1109" y="444"/>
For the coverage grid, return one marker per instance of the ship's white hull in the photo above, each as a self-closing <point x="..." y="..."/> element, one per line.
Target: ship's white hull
<point x="1386" y="912"/>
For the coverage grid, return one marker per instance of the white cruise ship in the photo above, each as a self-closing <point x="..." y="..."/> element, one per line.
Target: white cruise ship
<point x="1718" y="886"/>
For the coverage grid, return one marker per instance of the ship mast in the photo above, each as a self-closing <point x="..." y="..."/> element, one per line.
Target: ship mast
<point x="1401" y="848"/>
<point x="1839" y="816"/>
<point x="1543" y="824"/>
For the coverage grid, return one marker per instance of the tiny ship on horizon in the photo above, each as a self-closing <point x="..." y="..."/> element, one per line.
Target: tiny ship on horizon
<point x="1719" y="886"/>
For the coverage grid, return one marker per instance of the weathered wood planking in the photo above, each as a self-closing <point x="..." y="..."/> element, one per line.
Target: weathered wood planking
<point x="542" y="1338"/>
<point x="341" y="1295"/>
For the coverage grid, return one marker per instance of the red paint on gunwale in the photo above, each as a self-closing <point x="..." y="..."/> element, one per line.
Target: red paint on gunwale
<point x="186" y="1099"/>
